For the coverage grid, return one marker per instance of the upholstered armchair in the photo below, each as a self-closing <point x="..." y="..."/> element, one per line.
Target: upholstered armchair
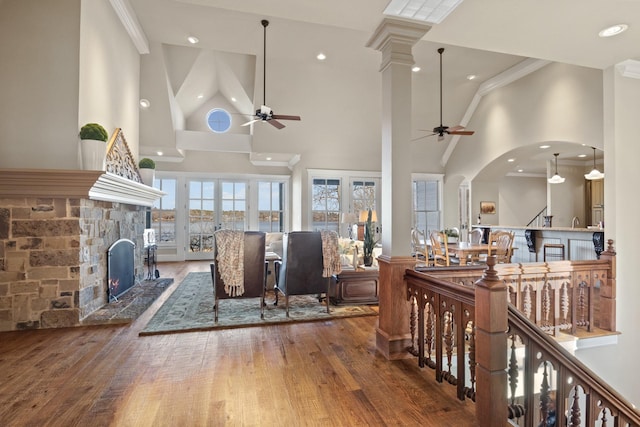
<point x="232" y="279"/>
<point x="302" y="268"/>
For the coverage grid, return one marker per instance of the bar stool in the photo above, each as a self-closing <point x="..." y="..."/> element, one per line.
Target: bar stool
<point x="553" y="253"/>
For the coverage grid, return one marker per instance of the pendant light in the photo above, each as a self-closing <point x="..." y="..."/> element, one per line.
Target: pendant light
<point x="556" y="179"/>
<point x="595" y="173"/>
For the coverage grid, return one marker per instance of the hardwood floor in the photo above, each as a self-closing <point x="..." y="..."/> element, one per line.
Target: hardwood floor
<point x="319" y="373"/>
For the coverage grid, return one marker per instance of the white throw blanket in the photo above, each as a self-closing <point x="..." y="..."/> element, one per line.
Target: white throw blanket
<point x="230" y="258"/>
<point x="330" y="255"/>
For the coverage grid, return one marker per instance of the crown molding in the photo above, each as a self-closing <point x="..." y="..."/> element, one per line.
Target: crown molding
<point x="629" y="68"/>
<point x="131" y="24"/>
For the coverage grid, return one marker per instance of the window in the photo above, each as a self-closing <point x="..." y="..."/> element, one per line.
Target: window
<point x="234" y="205"/>
<point x="270" y="206"/>
<point x="426" y="204"/>
<point x="325" y="210"/>
<point x="218" y="120"/>
<point x="363" y="195"/>
<point x="163" y="212"/>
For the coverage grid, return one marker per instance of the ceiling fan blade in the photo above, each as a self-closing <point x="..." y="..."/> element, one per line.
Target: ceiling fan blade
<point x="250" y="122"/>
<point x="284" y="117"/>
<point x="462" y="132"/>
<point x="422" y="137"/>
<point x="456" y="128"/>
<point x="275" y="123"/>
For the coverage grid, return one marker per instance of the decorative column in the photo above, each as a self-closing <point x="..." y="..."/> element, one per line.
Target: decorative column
<point x="395" y="39"/>
<point x="491" y="347"/>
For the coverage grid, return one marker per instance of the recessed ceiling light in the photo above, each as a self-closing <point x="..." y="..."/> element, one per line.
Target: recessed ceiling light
<point x="520" y="170"/>
<point x="545" y="146"/>
<point x="613" y="30"/>
<point x="200" y="96"/>
<point x="233" y="99"/>
<point x="144" y="103"/>
<point x="415" y="69"/>
<point x="471" y="77"/>
<point x="582" y="155"/>
<point x="193" y="39"/>
<point x="268" y="158"/>
<point x="160" y="153"/>
<point x="511" y="160"/>
<point x="321" y="56"/>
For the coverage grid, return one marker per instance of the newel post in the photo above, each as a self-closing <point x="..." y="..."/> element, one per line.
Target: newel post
<point x="607" y="309"/>
<point x="491" y="348"/>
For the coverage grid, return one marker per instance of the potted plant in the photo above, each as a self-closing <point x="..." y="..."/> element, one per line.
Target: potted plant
<point x="369" y="241"/>
<point x="93" y="146"/>
<point x="147" y="169"/>
<point x="452" y="235"/>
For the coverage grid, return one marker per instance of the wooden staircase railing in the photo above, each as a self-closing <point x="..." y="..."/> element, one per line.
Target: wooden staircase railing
<point x="456" y="338"/>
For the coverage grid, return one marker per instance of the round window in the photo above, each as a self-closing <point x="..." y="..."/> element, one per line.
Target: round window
<point x="219" y="120"/>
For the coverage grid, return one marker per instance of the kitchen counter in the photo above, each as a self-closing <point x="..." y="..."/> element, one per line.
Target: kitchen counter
<point x="578" y="242"/>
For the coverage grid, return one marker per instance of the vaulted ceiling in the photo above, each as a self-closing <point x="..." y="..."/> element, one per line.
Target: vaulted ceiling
<point x="483" y="38"/>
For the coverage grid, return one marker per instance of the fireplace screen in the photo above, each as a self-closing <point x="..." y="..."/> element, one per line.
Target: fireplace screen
<point x="120" y="268"/>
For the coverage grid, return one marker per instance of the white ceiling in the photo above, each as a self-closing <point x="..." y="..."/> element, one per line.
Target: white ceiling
<point x="481" y="37"/>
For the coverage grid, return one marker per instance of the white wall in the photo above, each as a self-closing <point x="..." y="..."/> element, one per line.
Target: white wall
<point x="520" y="199"/>
<point x="65" y="63"/>
<point x="109" y="77"/>
<point x="39" y="43"/>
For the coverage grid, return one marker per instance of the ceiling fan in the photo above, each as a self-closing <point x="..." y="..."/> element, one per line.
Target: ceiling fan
<point x="442" y="130"/>
<point x="265" y="114"/>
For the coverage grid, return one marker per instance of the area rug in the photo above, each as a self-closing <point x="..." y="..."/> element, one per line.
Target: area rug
<point x="190" y="308"/>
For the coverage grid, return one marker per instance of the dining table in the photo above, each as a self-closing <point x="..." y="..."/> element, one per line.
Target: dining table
<point x="463" y="251"/>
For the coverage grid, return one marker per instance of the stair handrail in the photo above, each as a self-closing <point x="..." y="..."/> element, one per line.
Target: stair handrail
<point x="536" y="218"/>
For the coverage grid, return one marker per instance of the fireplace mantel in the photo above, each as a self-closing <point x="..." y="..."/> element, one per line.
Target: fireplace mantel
<point x="94" y="185"/>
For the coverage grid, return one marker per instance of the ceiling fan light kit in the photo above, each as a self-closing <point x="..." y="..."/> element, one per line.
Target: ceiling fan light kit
<point x="556" y="179"/>
<point x="595" y="173"/>
<point x="265" y="114"/>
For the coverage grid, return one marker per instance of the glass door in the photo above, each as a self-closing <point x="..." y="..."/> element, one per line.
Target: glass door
<point x="202" y="219"/>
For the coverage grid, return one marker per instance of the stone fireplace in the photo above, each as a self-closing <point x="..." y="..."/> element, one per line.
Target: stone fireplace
<point x="55" y="230"/>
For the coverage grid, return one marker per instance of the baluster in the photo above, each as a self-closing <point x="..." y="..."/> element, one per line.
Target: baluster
<point x="429" y="334"/>
<point x="516" y="410"/>
<point x="546" y="305"/>
<point x="604" y="418"/>
<point x="574" y="420"/>
<point x="564" y="304"/>
<point x="448" y="341"/>
<point x="412" y="327"/>
<point x="582" y="304"/>
<point x="471" y="391"/>
<point x="527" y="305"/>
<point x="544" y="396"/>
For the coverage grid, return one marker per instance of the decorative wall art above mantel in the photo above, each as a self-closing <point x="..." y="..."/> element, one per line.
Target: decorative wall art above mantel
<point x="119" y="159"/>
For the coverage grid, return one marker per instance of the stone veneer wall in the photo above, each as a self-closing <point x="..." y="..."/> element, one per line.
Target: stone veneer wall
<point x="53" y="258"/>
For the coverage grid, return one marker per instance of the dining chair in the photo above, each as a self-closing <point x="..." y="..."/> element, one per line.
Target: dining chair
<point x="419" y="250"/>
<point x="500" y="245"/>
<point x="440" y="250"/>
<point x="475" y="238"/>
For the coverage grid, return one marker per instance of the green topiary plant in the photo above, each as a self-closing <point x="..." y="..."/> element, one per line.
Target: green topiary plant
<point x="369" y="241"/>
<point x="147" y="164"/>
<point x="94" y="131"/>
